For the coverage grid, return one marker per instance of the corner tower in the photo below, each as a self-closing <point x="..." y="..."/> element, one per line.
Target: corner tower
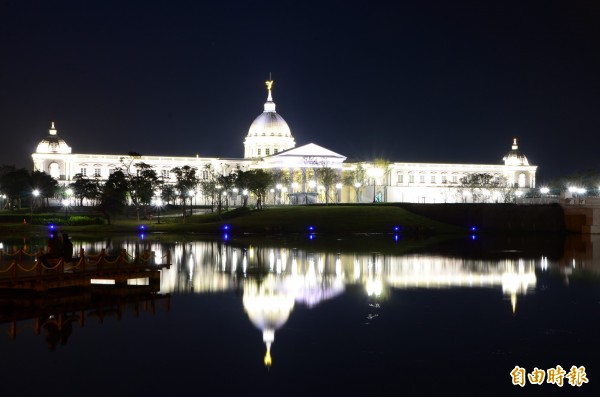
<point x="269" y="133"/>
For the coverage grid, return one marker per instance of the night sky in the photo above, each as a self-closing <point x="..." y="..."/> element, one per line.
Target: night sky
<point x="418" y="81"/>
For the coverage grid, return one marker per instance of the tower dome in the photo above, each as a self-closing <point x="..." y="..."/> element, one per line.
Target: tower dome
<point x="53" y="144"/>
<point x="269" y="133"/>
<point x="515" y="157"/>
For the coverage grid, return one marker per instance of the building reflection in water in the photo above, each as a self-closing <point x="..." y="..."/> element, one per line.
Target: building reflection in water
<point x="274" y="280"/>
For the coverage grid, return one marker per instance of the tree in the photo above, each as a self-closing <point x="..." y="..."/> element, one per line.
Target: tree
<point x="483" y="186"/>
<point x="225" y="183"/>
<point x="44" y="184"/>
<point x="84" y="188"/>
<point x="113" y="196"/>
<point x="355" y="178"/>
<point x="186" y="183"/>
<point x="242" y="182"/>
<point x="259" y="182"/>
<point x="15" y="184"/>
<point x="328" y="177"/>
<point x="141" y="179"/>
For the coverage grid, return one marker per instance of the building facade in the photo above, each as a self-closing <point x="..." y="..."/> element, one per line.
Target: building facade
<point x="270" y="145"/>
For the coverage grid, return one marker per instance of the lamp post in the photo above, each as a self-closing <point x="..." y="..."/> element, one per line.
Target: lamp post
<point x="158" y="203"/>
<point x="278" y="187"/>
<point x="66" y="204"/>
<point x="191" y="193"/>
<point x="544" y="192"/>
<point x="235" y="194"/>
<point x="284" y="191"/>
<point x="34" y="196"/>
<point x="357" y="186"/>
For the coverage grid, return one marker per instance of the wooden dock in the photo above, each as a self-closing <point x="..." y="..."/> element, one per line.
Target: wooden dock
<point x="22" y="270"/>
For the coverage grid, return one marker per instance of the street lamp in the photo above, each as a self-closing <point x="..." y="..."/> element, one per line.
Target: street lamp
<point x="245" y="194"/>
<point x="278" y="187"/>
<point x="158" y="203"/>
<point x="235" y="194"/>
<point x="35" y="194"/>
<point x="338" y="186"/>
<point x="66" y="204"/>
<point x="191" y="193"/>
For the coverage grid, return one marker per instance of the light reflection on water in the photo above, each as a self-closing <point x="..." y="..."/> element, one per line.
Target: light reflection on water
<point x="274" y="281"/>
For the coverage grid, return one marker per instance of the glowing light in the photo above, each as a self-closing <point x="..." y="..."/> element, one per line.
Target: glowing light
<point x="226" y="227"/>
<point x="226" y="236"/>
<point x="473" y="228"/>
<point x="142" y="227"/>
<point x="544" y="190"/>
<point x="311" y="228"/>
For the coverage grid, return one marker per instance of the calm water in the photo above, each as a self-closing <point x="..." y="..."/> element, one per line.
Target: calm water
<point x="340" y="316"/>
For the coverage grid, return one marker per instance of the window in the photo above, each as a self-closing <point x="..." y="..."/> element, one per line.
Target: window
<point x="83" y="172"/>
<point x="275" y="151"/>
<point x="97" y="173"/>
<point x="164" y="174"/>
<point x="432" y="178"/>
<point x="411" y="179"/>
<point x="454" y="179"/>
<point x="259" y="152"/>
<point x="421" y="178"/>
<point x="267" y="151"/>
<point x="443" y="178"/>
<point x="400" y="178"/>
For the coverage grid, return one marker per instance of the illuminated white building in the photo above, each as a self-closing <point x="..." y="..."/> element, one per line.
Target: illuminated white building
<point x="269" y="144"/>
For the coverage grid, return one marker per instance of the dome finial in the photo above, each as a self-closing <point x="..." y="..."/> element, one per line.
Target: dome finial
<point x="52" y="130"/>
<point x="514" y="145"/>
<point x="269" y="84"/>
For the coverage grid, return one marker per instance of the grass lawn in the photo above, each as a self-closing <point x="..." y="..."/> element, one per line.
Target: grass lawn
<point x="276" y="220"/>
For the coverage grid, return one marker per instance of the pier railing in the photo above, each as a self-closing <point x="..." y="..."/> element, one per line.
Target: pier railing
<point x="22" y="263"/>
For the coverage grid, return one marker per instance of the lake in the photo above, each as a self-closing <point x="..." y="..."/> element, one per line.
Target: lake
<point x="315" y="315"/>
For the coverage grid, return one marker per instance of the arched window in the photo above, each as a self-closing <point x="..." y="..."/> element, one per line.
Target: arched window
<point x="54" y="170"/>
<point x="522" y="180"/>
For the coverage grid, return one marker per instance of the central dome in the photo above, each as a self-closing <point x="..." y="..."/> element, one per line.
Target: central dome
<point x="269" y="133"/>
<point x="515" y="157"/>
<point x="53" y="144"/>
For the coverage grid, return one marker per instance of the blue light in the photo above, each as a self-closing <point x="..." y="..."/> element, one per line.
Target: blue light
<point x="311" y="228"/>
<point x="311" y="236"/>
<point x="396" y="228"/>
<point x="142" y="227"/>
<point x="141" y="236"/>
<point x="51" y="226"/>
<point x="473" y="228"/>
<point x="396" y="237"/>
<point x="226" y="227"/>
<point x="473" y="237"/>
<point x="226" y="236"/>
